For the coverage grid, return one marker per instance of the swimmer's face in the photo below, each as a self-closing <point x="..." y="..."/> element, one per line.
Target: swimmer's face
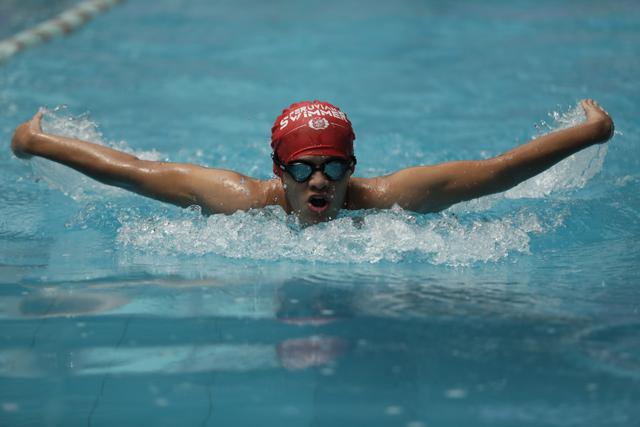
<point x="318" y="199"/>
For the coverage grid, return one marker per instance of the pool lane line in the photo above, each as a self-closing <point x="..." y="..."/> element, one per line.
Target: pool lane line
<point x="65" y="23"/>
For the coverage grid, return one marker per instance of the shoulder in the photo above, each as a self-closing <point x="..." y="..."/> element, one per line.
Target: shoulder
<point x="271" y="192"/>
<point x="226" y="191"/>
<point x="368" y="193"/>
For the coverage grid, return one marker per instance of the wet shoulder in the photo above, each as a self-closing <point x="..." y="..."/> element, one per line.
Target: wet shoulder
<point x="368" y="193"/>
<point x="272" y="192"/>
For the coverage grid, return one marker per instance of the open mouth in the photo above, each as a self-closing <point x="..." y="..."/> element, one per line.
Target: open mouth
<point x="318" y="203"/>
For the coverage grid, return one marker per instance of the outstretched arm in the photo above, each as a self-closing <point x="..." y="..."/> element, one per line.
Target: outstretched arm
<point x="434" y="188"/>
<point x="215" y="190"/>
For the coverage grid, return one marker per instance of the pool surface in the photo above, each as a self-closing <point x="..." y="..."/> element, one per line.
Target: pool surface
<point x="519" y="309"/>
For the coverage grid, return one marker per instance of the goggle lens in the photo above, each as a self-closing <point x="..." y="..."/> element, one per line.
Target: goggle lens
<point x="333" y="169"/>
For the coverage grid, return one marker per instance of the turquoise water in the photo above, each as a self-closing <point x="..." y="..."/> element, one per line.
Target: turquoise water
<point x="519" y="309"/>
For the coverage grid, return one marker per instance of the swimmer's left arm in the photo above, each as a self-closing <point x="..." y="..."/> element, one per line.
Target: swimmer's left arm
<point x="434" y="188"/>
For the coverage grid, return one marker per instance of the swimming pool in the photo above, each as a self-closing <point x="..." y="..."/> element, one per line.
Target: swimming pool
<point x="519" y="309"/>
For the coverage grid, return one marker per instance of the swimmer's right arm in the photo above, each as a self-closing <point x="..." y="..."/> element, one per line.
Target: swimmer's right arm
<point x="215" y="190"/>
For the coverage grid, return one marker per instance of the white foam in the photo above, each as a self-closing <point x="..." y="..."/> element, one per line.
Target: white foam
<point x="58" y="121"/>
<point x="371" y="237"/>
<point x="571" y="173"/>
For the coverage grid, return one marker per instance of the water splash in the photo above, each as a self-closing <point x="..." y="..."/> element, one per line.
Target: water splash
<point x="362" y="237"/>
<point x="59" y="121"/>
<point x="571" y="173"/>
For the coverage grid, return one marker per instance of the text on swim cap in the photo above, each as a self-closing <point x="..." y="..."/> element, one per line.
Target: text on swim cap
<point x="310" y="111"/>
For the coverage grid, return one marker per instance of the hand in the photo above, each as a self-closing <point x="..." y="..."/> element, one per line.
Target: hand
<point x="25" y="134"/>
<point x="596" y="114"/>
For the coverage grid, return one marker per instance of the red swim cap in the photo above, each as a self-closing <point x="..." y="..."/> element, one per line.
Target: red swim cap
<point x="311" y="129"/>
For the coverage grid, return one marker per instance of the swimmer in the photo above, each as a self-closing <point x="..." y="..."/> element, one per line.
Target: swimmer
<point x="313" y="160"/>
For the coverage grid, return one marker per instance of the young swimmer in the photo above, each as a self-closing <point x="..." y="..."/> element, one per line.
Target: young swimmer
<point x="313" y="159"/>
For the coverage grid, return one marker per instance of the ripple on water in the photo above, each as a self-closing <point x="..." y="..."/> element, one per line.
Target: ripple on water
<point x="611" y="348"/>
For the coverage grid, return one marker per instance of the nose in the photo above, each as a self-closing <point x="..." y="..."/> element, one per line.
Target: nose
<point x="318" y="181"/>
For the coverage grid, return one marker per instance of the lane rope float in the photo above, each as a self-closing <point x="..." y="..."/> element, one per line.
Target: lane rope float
<point x="63" y="24"/>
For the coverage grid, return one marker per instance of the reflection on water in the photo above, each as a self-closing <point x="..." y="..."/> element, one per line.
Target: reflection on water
<point x="386" y="341"/>
<point x="305" y="301"/>
<point x="613" y="348"/>
<point x="300" y="306"/>
<point x="52" y="302"/>
<point x="187" y="326"/>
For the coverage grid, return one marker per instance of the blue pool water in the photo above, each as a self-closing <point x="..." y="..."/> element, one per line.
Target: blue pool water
<point x="521" y="309"/>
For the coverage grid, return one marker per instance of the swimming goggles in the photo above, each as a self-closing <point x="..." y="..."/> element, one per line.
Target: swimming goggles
<point x="301" y="171"/>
